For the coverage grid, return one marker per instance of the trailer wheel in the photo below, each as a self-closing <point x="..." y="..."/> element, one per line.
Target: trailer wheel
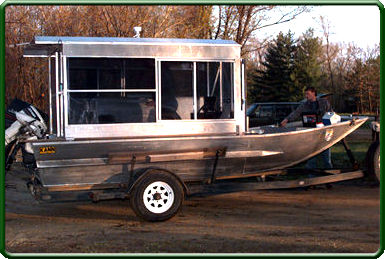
<point x="376" y="163"/>
<point x="157" y="196"/>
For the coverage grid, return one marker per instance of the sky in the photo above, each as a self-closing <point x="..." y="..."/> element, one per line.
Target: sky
<point x="348" y="24"/>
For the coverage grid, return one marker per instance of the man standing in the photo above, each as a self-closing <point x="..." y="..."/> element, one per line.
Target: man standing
<point x="312" y="108"/>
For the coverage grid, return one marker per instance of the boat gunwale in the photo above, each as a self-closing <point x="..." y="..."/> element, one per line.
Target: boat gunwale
<point x="184" y="137"/>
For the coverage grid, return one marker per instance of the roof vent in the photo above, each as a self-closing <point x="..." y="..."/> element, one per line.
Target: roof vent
<point x="137" y="31"/>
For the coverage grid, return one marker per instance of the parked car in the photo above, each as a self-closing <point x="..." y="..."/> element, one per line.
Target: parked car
<point x="269" y="113"/>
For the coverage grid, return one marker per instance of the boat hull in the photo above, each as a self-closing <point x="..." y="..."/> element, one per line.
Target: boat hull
<point x="105" y="162"/>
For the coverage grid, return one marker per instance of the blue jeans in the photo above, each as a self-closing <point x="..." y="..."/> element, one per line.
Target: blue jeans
<point x="326" y="159"/>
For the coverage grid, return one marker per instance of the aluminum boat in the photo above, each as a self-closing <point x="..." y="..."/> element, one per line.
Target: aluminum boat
<point x="149" y="117"/>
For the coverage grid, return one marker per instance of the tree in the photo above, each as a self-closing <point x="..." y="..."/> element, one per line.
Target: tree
<point x="330" y="51"/>
<point x="240" y="22"/>
<point x="196" y="22"/>
<point x="307" y="61"/>
<point x="276" y="82"/>
<point x="364" y="80"/>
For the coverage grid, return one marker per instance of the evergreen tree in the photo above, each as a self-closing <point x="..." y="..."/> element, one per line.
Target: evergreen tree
<point x="253" y="75"/>
<point x="276" y="82"/>
<point x="307" y="61"/>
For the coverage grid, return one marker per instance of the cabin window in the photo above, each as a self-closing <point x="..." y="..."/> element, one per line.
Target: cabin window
<point x="177" y="91"/>
<point x="139" y="73"/>
<point x="111" y="108"/>
<point x="123" y="90"/>
<point x="211" y="85"/>
<point x="114" y="90"/>
<point x="227" y="95"/>
<point x="93" y="74"/>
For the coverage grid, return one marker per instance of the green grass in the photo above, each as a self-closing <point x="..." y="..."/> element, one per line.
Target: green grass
<point x="340" y="158"/>
<point x="366" y="125"/>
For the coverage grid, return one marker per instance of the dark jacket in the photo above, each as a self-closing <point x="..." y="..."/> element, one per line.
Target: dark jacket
<point x="323" y="107"/>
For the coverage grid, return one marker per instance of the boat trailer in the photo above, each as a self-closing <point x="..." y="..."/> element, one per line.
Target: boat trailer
<point x="227" y="187"/>
<point x="288" y="178"/>
<point x="279" y="179"/>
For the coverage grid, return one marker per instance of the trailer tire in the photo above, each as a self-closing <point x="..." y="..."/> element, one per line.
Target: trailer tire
<point x="157" y="196"/>
<point x="374" y="161"/>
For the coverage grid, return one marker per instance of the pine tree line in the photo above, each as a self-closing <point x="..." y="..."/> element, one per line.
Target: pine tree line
<point x="289" y="65"/>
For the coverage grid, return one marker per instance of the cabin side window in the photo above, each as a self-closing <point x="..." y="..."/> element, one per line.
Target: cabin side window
<point x="111" y="90"/>
<point x="177" y="91"/>
<point x="197" y="90"/>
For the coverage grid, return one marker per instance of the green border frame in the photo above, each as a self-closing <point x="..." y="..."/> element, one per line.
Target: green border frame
<point x="180" y="2"/>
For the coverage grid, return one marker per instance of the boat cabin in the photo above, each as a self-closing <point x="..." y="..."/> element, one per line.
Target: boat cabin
<point x="137" y="87"/>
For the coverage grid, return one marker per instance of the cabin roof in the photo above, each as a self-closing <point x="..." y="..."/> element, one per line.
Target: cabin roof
<point x="163" y="48"/>
<point x="116" y="40"/>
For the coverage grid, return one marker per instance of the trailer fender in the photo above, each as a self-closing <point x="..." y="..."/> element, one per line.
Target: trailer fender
<point x="140" y="174"/>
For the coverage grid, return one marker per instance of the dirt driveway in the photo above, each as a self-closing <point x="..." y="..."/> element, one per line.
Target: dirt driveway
<point x="343" y="219"/>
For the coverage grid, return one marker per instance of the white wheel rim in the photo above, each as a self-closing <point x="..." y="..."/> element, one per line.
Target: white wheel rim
<point x="158" y="197"/>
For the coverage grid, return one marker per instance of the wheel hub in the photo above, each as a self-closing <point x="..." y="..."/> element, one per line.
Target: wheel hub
<point x="158" y="197"/>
